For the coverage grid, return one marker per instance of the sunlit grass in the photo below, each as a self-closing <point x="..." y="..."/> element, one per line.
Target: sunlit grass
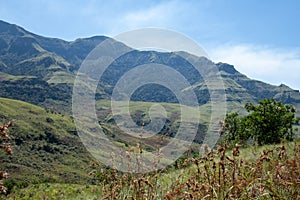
<point x="267" y="172"/>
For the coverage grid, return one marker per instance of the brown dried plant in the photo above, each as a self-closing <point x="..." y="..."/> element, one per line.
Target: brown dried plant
<point x="221" y="173"/>
<point x="8" y="149"/>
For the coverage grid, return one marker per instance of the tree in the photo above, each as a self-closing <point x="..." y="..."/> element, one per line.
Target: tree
<point x="271" y="121"/>
<point x="235" y="128"/>
<point x="267" y="122"/>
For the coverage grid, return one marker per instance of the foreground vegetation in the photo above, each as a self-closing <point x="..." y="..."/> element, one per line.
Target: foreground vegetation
<point x="268" y="172"/>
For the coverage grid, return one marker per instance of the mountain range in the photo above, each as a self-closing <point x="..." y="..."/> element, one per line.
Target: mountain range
<point x="41" y="70"/>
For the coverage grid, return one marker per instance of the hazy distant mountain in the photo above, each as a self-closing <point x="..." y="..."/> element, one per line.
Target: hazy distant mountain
<point x="41" y="70"/>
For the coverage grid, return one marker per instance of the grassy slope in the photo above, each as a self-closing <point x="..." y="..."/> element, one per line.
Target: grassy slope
<point x="9" y="77"/>
<point x="139" y="112"/>
<point x="45" y="145"/>
<point x="50" y="140"/>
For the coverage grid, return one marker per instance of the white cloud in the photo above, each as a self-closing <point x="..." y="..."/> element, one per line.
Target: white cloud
<point x="264" y="63"/>
<point x="116" y="17"/>
<point x="156" y="15"/>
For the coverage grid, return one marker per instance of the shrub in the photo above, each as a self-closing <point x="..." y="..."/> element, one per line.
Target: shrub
<point x="267" y="123"/>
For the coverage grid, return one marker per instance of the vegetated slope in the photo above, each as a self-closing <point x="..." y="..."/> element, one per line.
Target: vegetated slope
<point x="52" y="65"/>
<point x="47" y="148"/>
<point x="139" y="112"/>
<point x="36" y="91"/>
<point x="45" y="144"/>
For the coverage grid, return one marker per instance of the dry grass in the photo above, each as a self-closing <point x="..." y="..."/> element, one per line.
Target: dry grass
<point x="273" y="173"/>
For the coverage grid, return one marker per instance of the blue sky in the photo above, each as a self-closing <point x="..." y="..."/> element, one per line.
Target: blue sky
<point x="261" y="38"/>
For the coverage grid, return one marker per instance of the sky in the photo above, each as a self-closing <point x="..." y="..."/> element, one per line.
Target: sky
<point x="259" y="37"/>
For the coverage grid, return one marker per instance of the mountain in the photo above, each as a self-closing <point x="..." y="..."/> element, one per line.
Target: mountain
<point x="16" y="41"/>
<point x="41" y="71"/>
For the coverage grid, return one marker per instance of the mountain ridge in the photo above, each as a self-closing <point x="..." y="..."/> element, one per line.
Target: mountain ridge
<point x="55" y="63"/>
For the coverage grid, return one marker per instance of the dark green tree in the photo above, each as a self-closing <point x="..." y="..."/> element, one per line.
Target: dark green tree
<point x="268" y="122"/>
<point x="271" y="121"/>
<point x="232" y="126"/>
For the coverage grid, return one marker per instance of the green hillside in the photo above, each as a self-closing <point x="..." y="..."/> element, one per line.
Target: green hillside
<point x="46" y="147"/>
<point x="50" y="139"/>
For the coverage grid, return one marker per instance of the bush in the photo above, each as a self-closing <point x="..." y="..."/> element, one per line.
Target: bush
<point x="267" y="123"/>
